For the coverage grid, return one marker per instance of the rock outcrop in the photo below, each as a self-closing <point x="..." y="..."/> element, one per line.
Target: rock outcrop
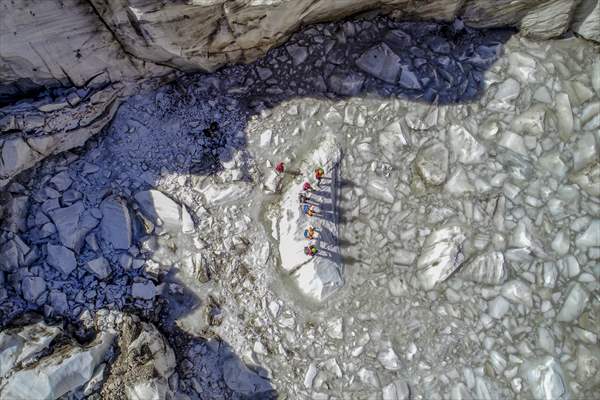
<point x="44" y="43"/>
<point x="32" y="369"/>
<point x="144" y="365"/>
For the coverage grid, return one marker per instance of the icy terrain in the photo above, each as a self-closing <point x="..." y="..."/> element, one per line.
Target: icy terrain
<point x="469" y="220"/>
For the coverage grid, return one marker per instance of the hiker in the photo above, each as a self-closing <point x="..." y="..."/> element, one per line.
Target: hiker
<point x="310" y="233"/>
<point x="311" y="250"/>
<point x="307" y="187"/>
<point x="319" y="174"/>
<point x="280" y="168"/>
<point x="309" y="210"/>
<point x="303" y="198"/>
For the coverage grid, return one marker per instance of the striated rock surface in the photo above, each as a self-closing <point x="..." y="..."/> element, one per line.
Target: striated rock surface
<point x="71" y="41"/>
<point x="33" y="131"/>
<point x="586" y="20"/>
<point x="63" y="370"/>
<point x="144" y="365"/>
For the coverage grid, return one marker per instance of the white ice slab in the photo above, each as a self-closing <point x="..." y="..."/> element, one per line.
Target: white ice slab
<point x="320" y="276"/>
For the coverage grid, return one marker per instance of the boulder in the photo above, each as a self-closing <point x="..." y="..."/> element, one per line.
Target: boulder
<point x="143" y="290"/>
<point x="346" y="83"/>
<point x="11" y="256"/>
<point x="32" y="287"/>
<point x="488" y="269"/>
<point x="586" y="20"/>
<point x="16" y="156"/>
<point x="99" y="267"/>
<point x="432" y="164"/>
<point x="441" y="256"/>
<point x="545" y="379"/>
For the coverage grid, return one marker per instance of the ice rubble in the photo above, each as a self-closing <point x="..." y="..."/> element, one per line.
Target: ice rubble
<point x="502" y="188"/>
<point x="320" y="276"/>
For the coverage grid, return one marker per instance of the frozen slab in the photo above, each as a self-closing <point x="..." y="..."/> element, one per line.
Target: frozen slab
<point x="116" y="223"/>
<point x="61" y="258"/>
<point x="441" y="256"/>
<point x="488" y="268"/>
<point x="574" y="304"/>
<point x="320" y="276"/>
<point x="164" y="212"/>
<point x="73" y="223"/>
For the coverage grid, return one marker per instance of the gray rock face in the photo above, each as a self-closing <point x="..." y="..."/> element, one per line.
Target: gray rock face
<point x="586" y="20"/>
<point x="116" y="223"/>
<point x="144" y="364"/>
<point x="22" y="344"/>
<point x="206" y="35"/>
<point x="58" y="129"/>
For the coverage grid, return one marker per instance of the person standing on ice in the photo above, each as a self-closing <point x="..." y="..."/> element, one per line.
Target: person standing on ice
<point x="280" y="168"/>
<point x="309" y="210"/>
<point x="310" y="233"/>
<point x="319" y="174"/>
<point x="307" y="187"/>
<point x="311" y="250"/>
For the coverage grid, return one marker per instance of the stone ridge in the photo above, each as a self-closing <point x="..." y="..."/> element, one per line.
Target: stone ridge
<point x="70" y="42"/>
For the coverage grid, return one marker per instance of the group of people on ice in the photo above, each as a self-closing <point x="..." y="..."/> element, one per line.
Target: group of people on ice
<point x="308" y="207"/>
